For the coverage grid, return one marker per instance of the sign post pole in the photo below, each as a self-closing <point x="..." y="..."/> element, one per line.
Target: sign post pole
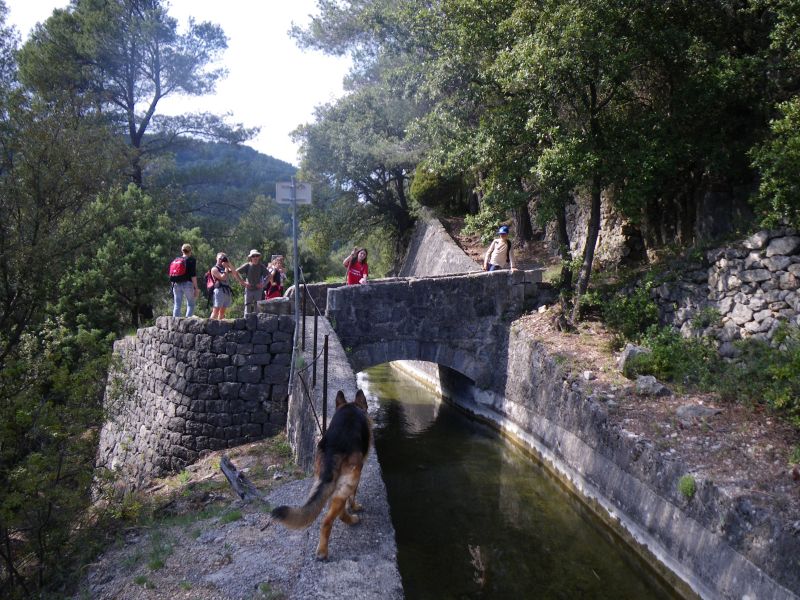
<point x="296" y="258"/>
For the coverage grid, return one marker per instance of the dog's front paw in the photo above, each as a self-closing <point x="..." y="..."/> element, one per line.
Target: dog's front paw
<point x="354" y="520"/>
<point x="356" y="507"/>
<point x="322" y="556"/>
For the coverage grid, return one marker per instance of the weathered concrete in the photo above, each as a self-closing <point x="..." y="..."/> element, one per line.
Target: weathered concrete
<point x="432" y="251"/>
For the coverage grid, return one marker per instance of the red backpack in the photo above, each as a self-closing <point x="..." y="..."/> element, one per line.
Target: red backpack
<point x="210" y="281"/>
<point x="177" y="268"/>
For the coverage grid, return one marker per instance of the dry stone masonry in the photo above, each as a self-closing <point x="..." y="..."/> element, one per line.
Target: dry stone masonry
<point x="189" y="385"/>
<point x="739" y="291"/>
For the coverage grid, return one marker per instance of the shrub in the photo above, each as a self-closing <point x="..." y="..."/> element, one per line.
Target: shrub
<point x="631" y="315"/>
<point x="691" y="362"/>
<point x="687" y="486"/>
<point x="767" y="374"/>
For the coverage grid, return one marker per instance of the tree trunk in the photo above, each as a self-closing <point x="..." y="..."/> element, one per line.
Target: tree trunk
<point x="522" y="225"/>
<point x="563" y="248"/>
<point x="593" y="231"/>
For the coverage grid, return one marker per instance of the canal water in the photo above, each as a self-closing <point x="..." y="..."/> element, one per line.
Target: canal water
<point x="474" y="517"/>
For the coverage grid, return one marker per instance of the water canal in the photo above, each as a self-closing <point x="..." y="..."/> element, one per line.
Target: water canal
<point x="475" y="517"/>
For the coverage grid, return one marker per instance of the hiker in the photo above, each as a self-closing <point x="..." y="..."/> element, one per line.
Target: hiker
<point x="273" y="288"/>
<point x="223" y="295"/>
<point x="255" y="274"/>
<point x="357" y="267"/>
<point x="183" y="275"/>
<point x="499" y="254"/>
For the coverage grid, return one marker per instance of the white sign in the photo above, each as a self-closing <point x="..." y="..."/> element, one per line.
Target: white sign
<point x="283" y="192"/>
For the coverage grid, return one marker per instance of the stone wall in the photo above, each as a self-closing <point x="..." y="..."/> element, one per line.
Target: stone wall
<point x="459" y="321"/>
<point x="188" y="385"/>
<point x="742" y="290"/>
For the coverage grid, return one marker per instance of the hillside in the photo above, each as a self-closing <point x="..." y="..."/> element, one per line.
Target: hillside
<point x="219" y="181"/>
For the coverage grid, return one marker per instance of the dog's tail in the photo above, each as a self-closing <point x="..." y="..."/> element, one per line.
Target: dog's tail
<point x="302" y="516"/>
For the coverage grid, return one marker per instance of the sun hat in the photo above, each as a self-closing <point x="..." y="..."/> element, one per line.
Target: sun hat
<point x="253" y="253"/>
<point x="503" y="229"/>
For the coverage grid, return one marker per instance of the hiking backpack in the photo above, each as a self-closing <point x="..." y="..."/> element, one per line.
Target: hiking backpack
<point x="210" y="281"/>
<point x="177" y="269"/>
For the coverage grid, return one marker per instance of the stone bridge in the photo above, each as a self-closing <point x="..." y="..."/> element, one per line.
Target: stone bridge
<point x="455" y="321"/>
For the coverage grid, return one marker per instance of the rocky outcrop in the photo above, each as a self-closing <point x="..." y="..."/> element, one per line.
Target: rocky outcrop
<point x="188" y="385"/>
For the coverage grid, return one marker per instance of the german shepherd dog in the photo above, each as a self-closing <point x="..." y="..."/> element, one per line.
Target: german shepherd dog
<point x="338" y="462"/>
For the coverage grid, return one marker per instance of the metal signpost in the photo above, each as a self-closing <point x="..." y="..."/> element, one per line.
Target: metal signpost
<point x="294" y="193"/>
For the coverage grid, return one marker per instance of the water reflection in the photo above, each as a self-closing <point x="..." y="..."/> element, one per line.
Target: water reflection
<point x="475" y="518"/>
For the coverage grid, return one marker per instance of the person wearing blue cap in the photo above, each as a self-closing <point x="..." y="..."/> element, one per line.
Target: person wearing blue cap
<point x="499" y="255"/>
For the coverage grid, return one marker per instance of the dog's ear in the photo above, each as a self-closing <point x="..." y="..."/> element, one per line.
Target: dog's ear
<point x="361" y="400"/>
<point x="340" y="399"/>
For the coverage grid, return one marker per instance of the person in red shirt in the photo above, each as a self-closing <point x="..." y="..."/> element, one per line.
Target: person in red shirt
<point x="357" y="267"/>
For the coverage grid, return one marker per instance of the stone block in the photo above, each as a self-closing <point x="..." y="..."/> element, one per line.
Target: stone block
<point x="259" y="417"/>
<point x="229" y="391"/>
<point x="788" y="281"/>
<point x="284" y="336"/>
<point x="202" y="343"/>
<point x="254" y="392"/>
<point x="777" y="263"/>
<point x="261" y="337"/>
<point x="230" y="373"/>
<point x="223" y="360"/>
<point x="276" y="374"/>
<point x="783" y="245"/>
<point x="755" y="275"/>
<point x="246" y="348"/>
<point x="252" y="430"/>
<point x="268" y="323"/>
<point x="281" y="359"/>
<point x="757" y="241"/>
<point x="250" y="374"/>
<point x="278" y="347"/>
<point x="259" y="359"/>
<point x="216" y="376"/>
<point x="218" y="345"/>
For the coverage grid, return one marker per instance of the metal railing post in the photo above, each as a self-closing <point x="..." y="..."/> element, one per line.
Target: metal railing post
<point x="314" y="368"/>
<point x="325" y="386"/>
<point x="303" y="314"/>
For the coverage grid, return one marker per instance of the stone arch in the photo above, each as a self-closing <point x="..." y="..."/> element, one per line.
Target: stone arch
<point x="376" y="353"/>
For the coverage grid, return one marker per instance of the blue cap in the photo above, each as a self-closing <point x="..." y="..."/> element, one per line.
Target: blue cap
<point x="503" y="229"/>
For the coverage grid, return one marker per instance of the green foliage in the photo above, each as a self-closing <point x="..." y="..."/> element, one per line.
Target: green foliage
<point x="120" y="283"/>
<point x="433" y="190"/>
<point x="794" y="457"/>
<point x="632" y="314"/>
<point x="706" y="317"/>
<point x="767" y="374"/>
<point x="122" y="56"/>
<point x="485" y="223"/>
<point x="51" y="389"/>
<point x="778" y="161"/>
<point x="687" y="486"/>
<point x="685" y="361"/>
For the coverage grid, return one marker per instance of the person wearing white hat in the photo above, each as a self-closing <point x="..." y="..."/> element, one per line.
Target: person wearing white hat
<point x="255" y="273"/>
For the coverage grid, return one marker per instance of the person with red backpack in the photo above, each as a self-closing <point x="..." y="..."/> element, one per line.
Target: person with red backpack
<point x="183" y="275"/>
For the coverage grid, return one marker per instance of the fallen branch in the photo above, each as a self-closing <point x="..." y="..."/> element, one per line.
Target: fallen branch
<point x="245" y="488"/>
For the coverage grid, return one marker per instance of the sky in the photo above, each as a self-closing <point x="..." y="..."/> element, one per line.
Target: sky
<point x="271" y="83"/>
